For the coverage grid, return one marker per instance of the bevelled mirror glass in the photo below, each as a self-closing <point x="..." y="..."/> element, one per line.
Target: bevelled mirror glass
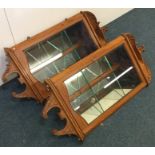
<point x="55" y="54"/>
<point x="100" y="85"/>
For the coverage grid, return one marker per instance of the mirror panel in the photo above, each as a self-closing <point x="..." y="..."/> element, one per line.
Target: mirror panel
<point x="100" y="85"/>
<point x="55" y="54"/>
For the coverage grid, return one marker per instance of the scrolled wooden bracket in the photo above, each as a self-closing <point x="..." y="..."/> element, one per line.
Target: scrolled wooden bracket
<point x="52" y="103"/>
<point x="27" y="93"/>
<point x="67" y="130"/>
<point x="11" y="68"/>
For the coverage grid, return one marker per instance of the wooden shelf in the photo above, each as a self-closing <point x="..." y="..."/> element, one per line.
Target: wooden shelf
<point x="93" y="82"/>
<point x="67" y="51"/>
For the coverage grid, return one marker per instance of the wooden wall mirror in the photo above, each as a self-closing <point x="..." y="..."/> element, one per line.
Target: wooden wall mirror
<point x="52" y="51"/>
<point x="95" y="87"/>
<point x="73" y="68"/>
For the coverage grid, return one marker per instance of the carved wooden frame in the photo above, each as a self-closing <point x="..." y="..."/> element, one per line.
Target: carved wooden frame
<point x="75" y="124"/>
<point x="18" y="62"/>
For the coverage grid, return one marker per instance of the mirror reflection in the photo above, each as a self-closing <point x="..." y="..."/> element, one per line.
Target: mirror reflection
<point x="100" y="85"/>
<point x="55" y="54"/>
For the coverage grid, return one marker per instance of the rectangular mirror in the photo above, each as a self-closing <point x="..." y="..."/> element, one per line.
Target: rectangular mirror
<point x="60" y="51"/>
<point x="92" y="89"/>
<point x="100" y="85"/>
<point x="52" y="51"/>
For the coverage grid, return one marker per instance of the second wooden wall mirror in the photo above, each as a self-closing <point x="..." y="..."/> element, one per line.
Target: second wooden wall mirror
<point x="95" y="87"/>
<point x="52" y="51"/>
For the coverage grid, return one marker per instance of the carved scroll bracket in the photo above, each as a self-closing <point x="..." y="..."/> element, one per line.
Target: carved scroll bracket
<point x="27" y="93"/>
<point x="68" y="129"/>
<point x="11" y="68"/>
